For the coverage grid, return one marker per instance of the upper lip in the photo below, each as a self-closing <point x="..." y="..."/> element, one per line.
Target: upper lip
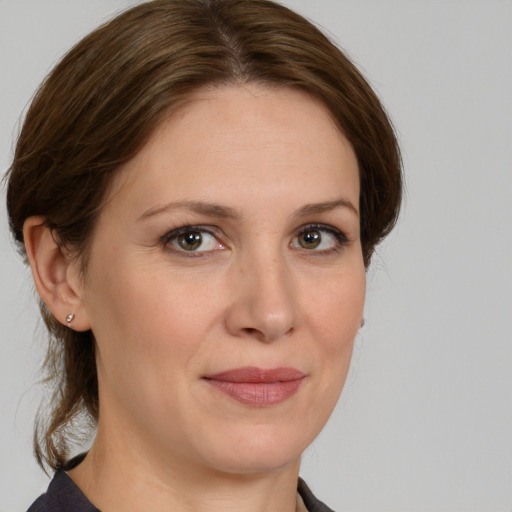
<point x="256" y="375"/>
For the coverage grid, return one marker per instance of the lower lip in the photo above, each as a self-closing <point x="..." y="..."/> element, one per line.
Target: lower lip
<point x="258" y="393"/>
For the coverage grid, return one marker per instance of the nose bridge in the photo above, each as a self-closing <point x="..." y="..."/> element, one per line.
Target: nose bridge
<point x="263" y="305"/>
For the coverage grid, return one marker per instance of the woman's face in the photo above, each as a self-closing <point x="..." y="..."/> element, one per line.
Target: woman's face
<point x="226" y="282"/>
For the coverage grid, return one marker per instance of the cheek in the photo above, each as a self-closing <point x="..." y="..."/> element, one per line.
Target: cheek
<point x="150" y="318"/>
<point x="145" y="338"/>
<point x="335" y="319"/>
<point x="336" y="310"/>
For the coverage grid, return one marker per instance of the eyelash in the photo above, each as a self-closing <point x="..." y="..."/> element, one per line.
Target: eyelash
<point x="175" y="233"/>
<point x="341" y="240"/>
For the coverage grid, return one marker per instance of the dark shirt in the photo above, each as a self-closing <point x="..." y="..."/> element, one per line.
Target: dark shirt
<point x="63" y="495"/>
<point x="312" y="504"/>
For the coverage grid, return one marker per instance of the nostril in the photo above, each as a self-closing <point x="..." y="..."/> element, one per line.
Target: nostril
<point x="265" y="335"/>
<point x="253" y="332"/>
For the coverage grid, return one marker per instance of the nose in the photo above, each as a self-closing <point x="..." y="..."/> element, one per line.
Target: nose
<point x="263" y="303"/>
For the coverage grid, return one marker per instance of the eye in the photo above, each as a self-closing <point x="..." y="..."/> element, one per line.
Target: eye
<point x="192" y="239"/>
<point x="319" y="238"/>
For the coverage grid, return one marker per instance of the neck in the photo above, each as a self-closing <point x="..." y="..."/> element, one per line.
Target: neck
<point x="124" y="476"/>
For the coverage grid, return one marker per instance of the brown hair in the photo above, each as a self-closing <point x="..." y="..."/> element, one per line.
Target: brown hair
<point x="101" y="103"/>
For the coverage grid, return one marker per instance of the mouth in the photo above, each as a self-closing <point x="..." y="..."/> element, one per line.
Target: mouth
<point x="257" y="387"/>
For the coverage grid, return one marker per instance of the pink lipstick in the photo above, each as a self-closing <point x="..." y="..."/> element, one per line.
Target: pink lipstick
<point x="254" y="386"/>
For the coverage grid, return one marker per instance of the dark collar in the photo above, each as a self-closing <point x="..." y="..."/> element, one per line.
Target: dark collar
<point x="63" y="495"/>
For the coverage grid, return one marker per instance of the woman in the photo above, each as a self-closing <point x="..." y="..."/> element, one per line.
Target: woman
<point x="199" y="187"/>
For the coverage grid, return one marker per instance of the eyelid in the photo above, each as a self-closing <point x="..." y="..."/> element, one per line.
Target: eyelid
<point x="340" y="237"/>
<point x="174" y="233"/>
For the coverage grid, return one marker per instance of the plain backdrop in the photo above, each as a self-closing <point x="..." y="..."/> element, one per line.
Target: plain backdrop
<point x="425" y="420"/>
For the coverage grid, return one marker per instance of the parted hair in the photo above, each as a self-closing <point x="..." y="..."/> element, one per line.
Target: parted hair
<point x="100" y="104"/>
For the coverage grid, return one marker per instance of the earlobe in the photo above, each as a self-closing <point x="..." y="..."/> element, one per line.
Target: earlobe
<point x="56" y="275"/>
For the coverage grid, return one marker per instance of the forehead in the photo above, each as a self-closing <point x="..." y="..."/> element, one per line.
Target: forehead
<point x="233" y="140"/>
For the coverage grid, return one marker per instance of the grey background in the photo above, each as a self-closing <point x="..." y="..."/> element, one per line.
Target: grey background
<point x="425" y="420"/>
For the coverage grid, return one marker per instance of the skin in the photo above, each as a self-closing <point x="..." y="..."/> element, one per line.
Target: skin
<point x="253" y="294"/>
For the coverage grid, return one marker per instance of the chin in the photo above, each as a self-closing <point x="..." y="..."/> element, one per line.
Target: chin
<point x="261" y="452"/>
<point x="261" y="463"/>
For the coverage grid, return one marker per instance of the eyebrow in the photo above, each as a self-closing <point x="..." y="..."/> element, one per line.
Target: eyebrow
<point x="225" y="212"/>
<point x="326" y="206"/>
<point x="201" y="207"/>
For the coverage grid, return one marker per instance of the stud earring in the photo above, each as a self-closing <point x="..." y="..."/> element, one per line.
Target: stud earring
<point x="70" y="318"/>
<point x="362" y="322"/>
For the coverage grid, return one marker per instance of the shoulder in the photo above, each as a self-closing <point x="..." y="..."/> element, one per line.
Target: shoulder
<point x="62" y="496"/>
<point x="310" y="501"/>
<point x="40" y="505"/>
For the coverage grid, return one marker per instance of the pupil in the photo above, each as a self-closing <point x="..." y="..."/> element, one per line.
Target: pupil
<point x="311" y="239"/>
<point x="190" y="241"/>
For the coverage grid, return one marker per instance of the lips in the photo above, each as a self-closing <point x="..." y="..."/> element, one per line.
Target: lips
<point x="257" y="387"/>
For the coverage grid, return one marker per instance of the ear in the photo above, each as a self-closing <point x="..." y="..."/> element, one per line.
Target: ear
<point x="56" y="275"/>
